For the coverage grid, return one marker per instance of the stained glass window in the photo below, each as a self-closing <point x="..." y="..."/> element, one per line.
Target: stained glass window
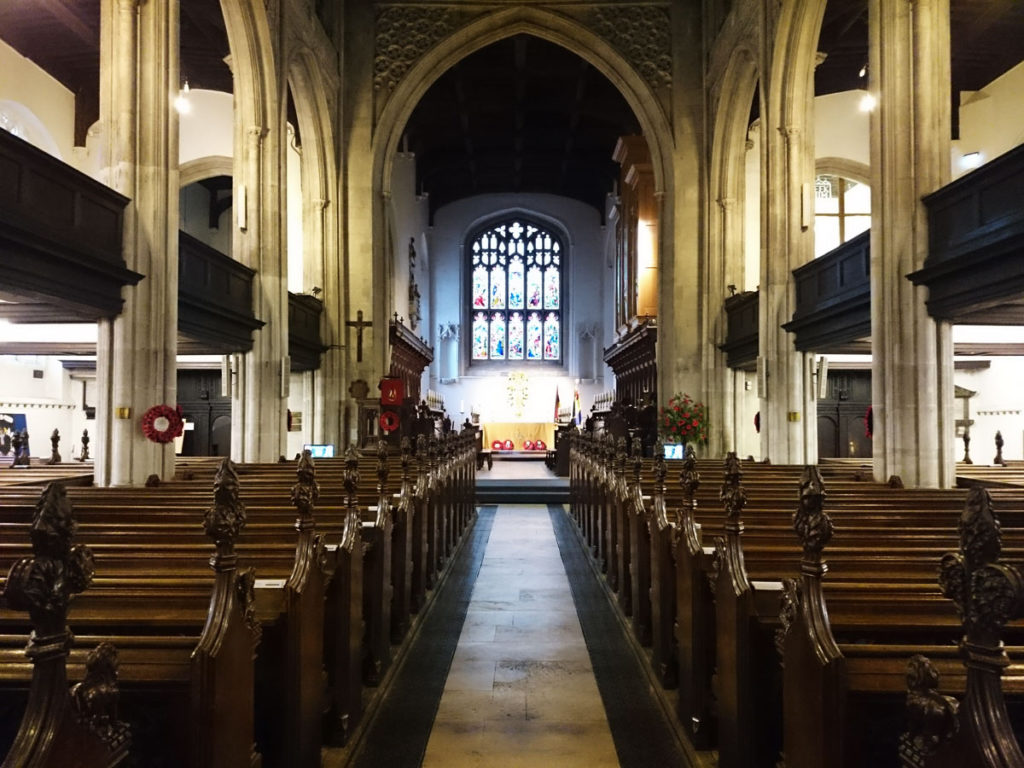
<point x="552" y="337"/>
<point x="497" y="336"/>
<point x="515" y="336"/>
<point x="480" y="336"/>
<point x="534" y="330"/>
<point x="516" y="292"/>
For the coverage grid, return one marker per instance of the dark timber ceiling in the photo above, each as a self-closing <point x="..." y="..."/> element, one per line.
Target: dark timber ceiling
<point x="986" y="37"/>
<point x="521" y="115"/>
<point x="63" y="37"/>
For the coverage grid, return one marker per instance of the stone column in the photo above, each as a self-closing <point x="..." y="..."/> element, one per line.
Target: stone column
<point x="137" y="350"/>
<point x="327" y="427"/>
<point x="912" y="369"/>
<point x="259" y="409"/>
<point x="725" y="239"/>
<point x="788" y="415"/>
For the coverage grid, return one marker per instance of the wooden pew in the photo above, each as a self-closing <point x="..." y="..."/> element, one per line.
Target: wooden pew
<point x="62" y="727"/>
<point x="346" y="586"/>
<point x="202" y="678"/>
<point x="911" y="597"/>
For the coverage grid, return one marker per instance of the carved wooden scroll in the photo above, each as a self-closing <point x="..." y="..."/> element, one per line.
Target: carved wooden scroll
<point x="54" y="453"/>
<point x="377" y="587"/>
<point x="932" y="719"/>
<point x="344" y="617"/>
<point x="987" y="593"/>
<point x="663" y="578"/>
<point x="221" y="735"/>
<point x="299" y="677"/>
<point x="353" y="523"/>
<point x="639" y="550"/>
<point x="733" y="612"/>
<point x="19" y="441"/>
<point x="814" y="670"/>
<point x="403" y="517"/>
<point x="625" y="588"/>
<point x="58" y="727"/>
<point x="419" y="534"/>
<point x="694" y="613"/>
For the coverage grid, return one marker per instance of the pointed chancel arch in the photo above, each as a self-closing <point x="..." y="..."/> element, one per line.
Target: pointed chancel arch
<point x="489" y="29"/>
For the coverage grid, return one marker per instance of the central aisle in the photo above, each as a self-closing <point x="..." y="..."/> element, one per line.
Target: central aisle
<point x="521" y="689"/>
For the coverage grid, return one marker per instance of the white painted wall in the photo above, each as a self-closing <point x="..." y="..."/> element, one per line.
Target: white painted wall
<point x="991" y="120"/>
<point x="841" y="129"/>
<point x="409" y="221"/>
<point x="997" y="406"/>
<point x="586" y="302"/>
<point x="51" y="402"/>
<point x="35" y="106"/>
<point x="208" y="128"/>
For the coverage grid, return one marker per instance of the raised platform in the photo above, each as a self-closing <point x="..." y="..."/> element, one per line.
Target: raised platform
<point x="519" y="455"/>
<point x="521" y="482"/>
<point x="515" y="491"/>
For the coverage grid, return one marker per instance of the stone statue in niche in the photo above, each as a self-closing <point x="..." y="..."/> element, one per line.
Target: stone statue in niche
<point x="414" y="304"/>
<point x="414" y="290"/>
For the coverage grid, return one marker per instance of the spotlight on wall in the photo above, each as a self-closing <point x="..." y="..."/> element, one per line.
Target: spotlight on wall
<point x="181" y="102"/>
<point x="868" y="102"/>
<point x="971" y="160"/>
<point x="863" y="71"/>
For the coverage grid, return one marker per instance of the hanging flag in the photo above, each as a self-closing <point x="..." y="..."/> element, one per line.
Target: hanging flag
<point x="558" y="403"/>
<point x="577" y="412"/>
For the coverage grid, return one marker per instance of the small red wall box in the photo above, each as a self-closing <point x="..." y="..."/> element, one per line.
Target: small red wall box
<point x="392" y="391"/>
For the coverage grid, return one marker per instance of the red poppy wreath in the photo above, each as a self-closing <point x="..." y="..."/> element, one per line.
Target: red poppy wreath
<point x="162" y="423"/>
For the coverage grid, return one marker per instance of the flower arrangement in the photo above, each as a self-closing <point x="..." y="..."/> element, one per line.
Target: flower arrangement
<point x="684" y="420"/>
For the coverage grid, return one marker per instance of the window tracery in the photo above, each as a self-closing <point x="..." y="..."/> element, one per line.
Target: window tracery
<point x="516" y="293"/>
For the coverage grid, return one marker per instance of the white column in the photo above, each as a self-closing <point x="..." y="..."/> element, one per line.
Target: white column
<point x="259" y="410"/>
<point x="137" y="350"/>
<point x="912" y="371"/>
<point x="788" y="416"/>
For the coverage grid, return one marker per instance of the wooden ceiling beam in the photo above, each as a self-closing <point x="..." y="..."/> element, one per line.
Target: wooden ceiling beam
<point x="71" y="19"/>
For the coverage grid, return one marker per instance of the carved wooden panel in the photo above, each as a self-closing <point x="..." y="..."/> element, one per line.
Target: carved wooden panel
<point x="633" y="360"/>
<point x="214" y="298"/>
<point x="60" y="235"/>
<point x="742" y="333"/>
<point x="975" y="265"/>
<point x="833" y="297"/>
<point x="304" y="344"/>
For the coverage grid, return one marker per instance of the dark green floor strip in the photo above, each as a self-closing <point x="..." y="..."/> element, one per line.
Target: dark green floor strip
<point x="642" y="737"/>
<point x="398" y="736"/>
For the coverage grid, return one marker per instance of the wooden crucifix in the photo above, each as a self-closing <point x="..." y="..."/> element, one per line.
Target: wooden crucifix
<point x="359" y="324"/>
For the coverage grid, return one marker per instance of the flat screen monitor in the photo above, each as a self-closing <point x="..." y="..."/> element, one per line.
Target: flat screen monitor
<point x="320" y="451"/>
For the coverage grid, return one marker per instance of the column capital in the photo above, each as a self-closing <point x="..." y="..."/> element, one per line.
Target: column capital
<point x="790" y="133"/>
<point x="726" y="203"/>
